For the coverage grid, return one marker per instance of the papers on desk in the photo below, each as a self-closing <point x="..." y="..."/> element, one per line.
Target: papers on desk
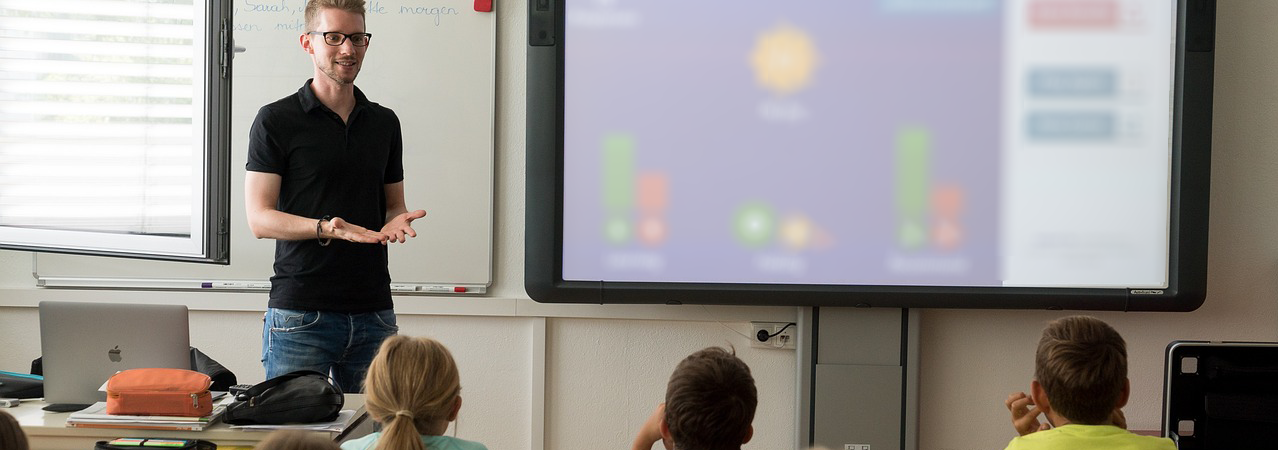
<point x="95" y="416"/>
<point x="338" y="425"/>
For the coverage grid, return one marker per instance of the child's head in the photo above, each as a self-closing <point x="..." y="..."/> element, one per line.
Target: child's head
<point x="412" y="388"/>
<point x="710" y="401"/>
<point x="11" y="434"/>
<point x="1081" y="363"/>
<point x="296" y="440"/>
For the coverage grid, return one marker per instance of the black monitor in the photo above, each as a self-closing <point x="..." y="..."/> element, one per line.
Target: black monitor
<point x="897" y="153"/>
<point x="1220" y="395"/>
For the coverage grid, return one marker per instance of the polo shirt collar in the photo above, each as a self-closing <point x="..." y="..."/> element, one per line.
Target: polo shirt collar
<point x="310" y="101"/>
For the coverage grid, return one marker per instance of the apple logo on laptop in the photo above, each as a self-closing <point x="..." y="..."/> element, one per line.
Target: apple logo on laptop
<point x="114" y="354"/>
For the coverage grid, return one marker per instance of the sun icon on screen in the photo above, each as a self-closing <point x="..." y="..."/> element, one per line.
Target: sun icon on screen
<point x="784" y="59"/>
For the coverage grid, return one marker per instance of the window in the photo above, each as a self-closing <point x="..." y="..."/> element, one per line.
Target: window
<point x="114" y="127"/>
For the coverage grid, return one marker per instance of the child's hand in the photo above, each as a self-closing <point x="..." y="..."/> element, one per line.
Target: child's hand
<point x="1024" y="414"/>
<point x="650" y="432"/>
<point x="1118" y="419"/>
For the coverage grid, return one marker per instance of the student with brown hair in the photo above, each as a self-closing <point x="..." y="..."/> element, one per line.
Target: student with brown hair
<point x="295" y="440"/>
<point x="710" y="404"/>
<point x="413" y="389"/>
<point x="1080" y="385"/>
<point x="11" y="435"/>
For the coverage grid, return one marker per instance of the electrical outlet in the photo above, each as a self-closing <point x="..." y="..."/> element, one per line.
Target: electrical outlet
<point x="856" y="446"/>
<point x="778" y="335"/>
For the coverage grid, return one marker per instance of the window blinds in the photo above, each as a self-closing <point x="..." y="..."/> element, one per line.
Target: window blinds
<point x="101" y="116"/>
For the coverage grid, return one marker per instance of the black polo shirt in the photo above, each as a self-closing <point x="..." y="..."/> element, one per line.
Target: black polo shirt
<point x="329" y="168"/>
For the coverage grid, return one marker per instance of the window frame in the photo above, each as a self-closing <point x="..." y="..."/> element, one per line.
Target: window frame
<point x="209" y="240"/>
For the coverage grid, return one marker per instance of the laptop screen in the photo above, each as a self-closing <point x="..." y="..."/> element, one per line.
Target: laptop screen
<point x="84" y="343"/>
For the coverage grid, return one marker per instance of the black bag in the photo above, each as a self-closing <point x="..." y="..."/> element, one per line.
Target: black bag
<point x="222" y="377"/>
<point x="21" y="385"/>
<point x="304" y="396"/>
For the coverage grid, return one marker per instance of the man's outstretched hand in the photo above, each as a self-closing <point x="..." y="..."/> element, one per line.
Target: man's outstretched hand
<point x="346" y="231"/>
<point x="400" y="228"/>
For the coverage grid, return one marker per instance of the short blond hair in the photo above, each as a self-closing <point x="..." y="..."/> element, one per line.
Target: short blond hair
<point x="1082" y="364"/>
<point x="313" y="8"/>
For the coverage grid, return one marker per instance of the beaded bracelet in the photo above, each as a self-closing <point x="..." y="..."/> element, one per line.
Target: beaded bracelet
<point x="319" y="227"/>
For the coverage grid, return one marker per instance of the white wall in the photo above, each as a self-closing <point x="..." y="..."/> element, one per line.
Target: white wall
<point x="604" y="368"/>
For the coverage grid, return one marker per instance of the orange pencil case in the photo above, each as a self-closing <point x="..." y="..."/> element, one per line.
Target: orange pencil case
<point x="159" y="392"/>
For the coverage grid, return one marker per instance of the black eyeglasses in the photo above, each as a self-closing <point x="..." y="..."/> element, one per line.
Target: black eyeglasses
<point x="336" y="38"/>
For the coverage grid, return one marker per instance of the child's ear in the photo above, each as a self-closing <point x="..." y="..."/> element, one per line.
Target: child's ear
<point x="749" y="434"/>
<point x="452" y="415"/>
<point x="1127" y="391"/>
<point x="1039" y="396"/>
<point x="667" y="440"/>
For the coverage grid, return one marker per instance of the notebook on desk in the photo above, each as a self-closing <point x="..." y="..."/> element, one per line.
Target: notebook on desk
<point x="95" y="416"/>
<point x="82" y="344"/>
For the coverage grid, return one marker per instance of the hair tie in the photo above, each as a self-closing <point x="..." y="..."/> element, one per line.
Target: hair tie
<point x="404" y="412"/>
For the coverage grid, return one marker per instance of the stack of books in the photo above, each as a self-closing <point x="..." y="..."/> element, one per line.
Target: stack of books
<point x="95" y="416"/>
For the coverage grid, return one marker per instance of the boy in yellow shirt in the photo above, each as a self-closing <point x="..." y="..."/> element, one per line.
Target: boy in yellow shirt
<point x="1080" y="385"/>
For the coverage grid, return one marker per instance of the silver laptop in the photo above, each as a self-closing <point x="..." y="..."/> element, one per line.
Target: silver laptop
<point x="83" y="344"/>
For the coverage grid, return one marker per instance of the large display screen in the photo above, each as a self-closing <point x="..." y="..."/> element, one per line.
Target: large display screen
<point x="1031" y="148"/>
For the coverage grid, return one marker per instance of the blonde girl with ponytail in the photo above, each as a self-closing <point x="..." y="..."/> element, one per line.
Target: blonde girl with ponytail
<point x="413" y="390"/>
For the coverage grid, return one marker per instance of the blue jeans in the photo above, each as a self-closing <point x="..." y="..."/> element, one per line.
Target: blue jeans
<point x="339" y="344"/>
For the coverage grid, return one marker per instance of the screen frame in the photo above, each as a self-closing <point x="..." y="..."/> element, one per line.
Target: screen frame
<point x="1191" y="125"/>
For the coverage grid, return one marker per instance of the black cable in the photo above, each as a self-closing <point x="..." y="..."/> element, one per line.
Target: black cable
<point x="763" y="336"/>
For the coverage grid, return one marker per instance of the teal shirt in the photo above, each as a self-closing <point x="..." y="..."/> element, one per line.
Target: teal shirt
<point x="1092" y="437"/>
<point x="431" y="442"/>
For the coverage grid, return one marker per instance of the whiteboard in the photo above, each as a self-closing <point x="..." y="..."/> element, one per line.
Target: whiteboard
<point x="433" y="63"/>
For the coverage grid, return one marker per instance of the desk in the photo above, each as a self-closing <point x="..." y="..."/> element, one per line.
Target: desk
<point x="48" y="431"/>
